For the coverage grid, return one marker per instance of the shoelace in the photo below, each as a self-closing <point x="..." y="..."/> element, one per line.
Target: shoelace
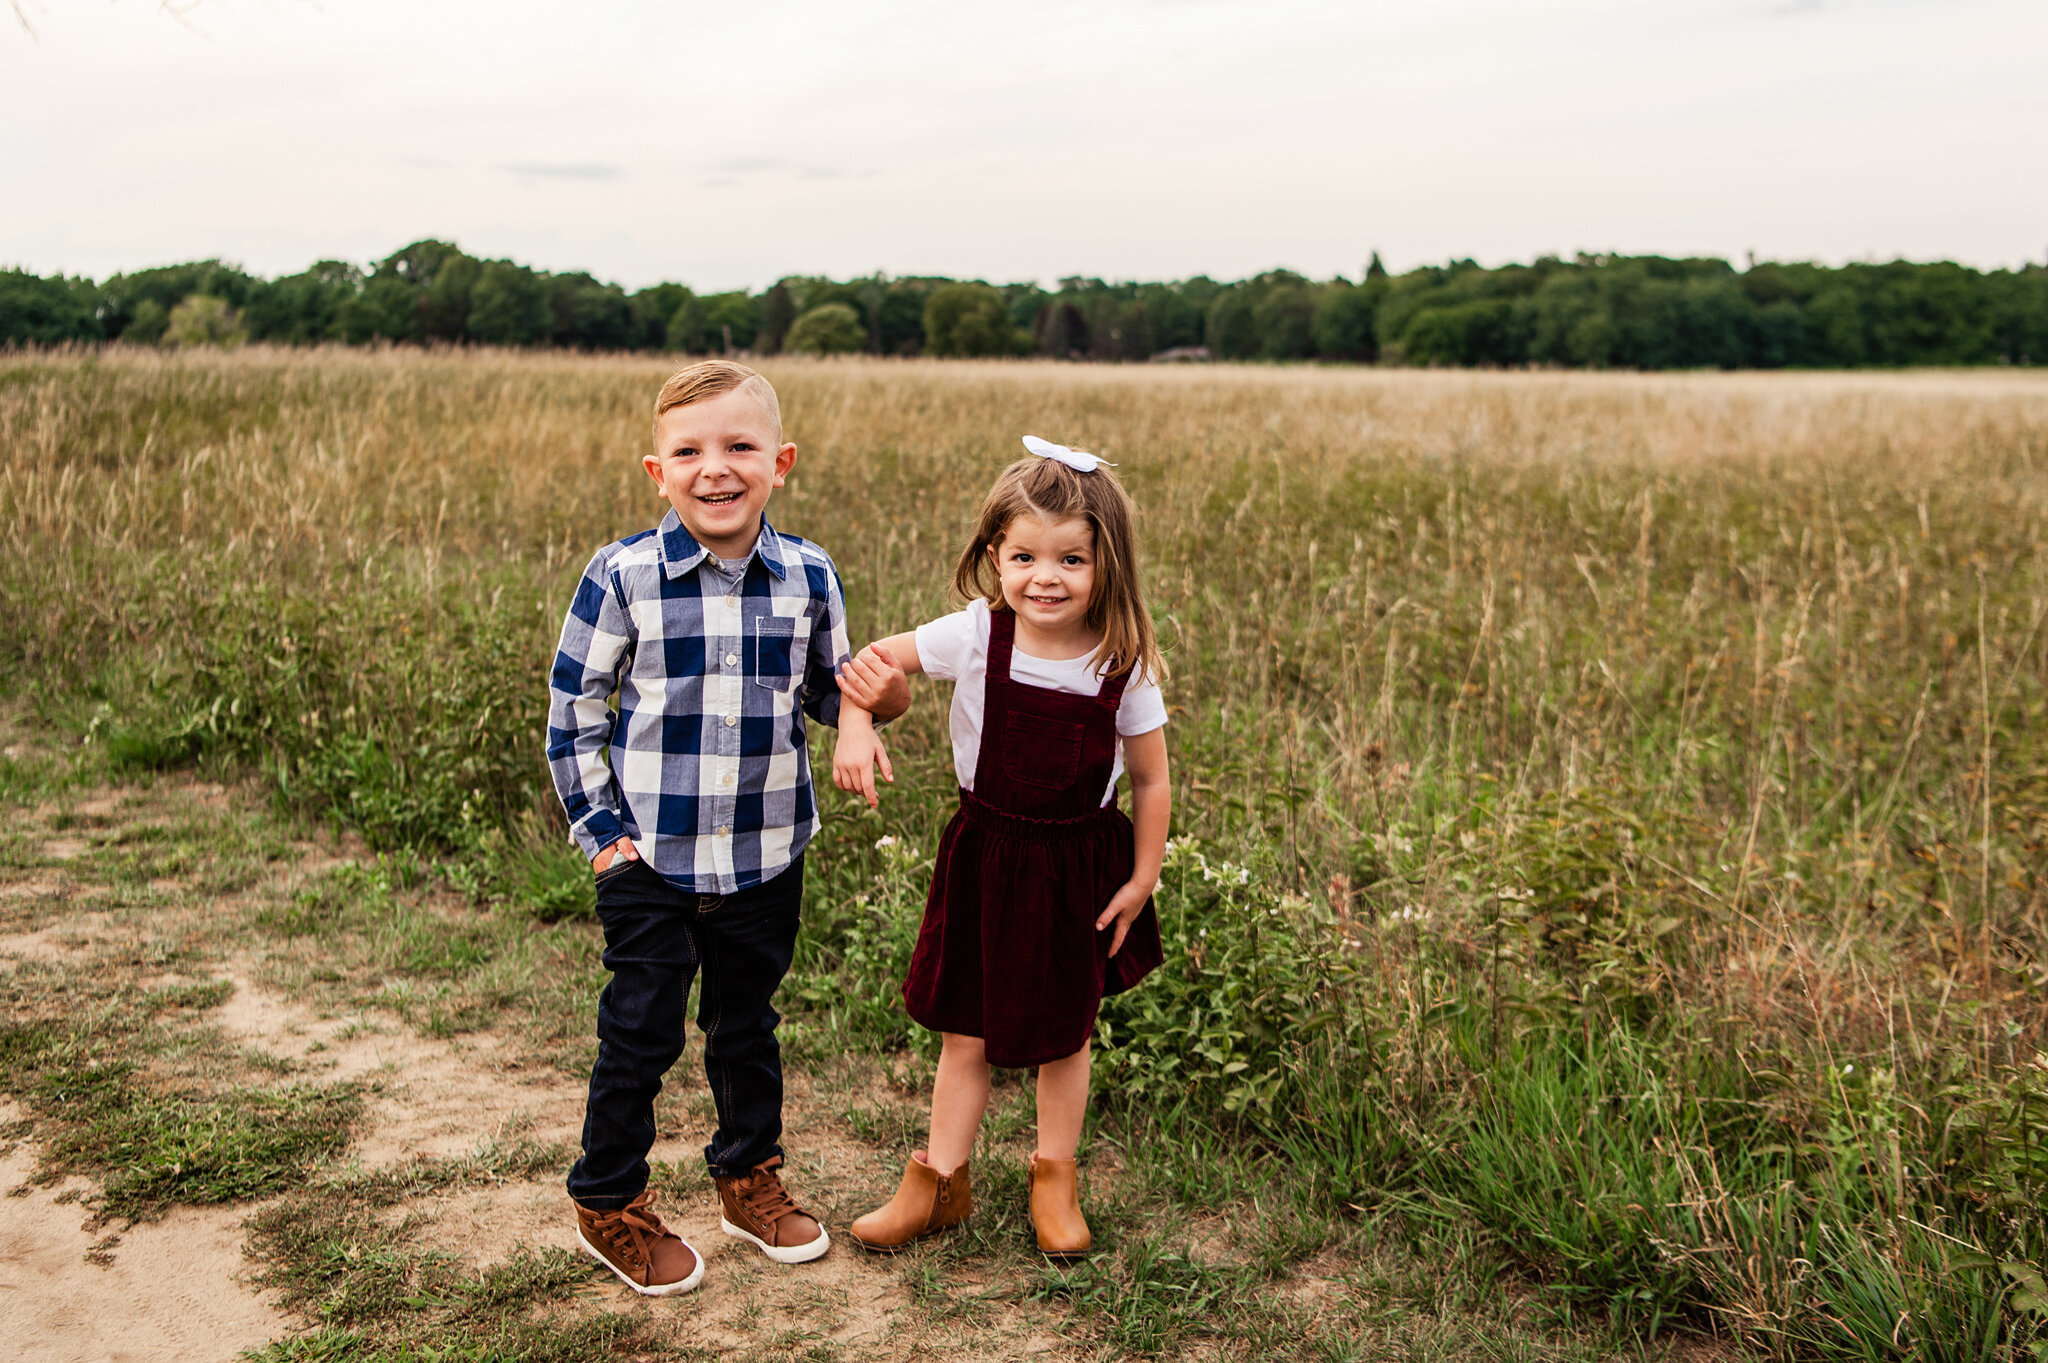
<point x="762" y="1193"/>
<point x="643" y="1226"/>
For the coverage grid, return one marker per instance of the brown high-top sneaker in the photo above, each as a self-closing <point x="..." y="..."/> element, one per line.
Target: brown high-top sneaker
<point x="633" y="1243"/>
<point x="758" y="1208"/>
<point x="1056" y="1208"/>
<point x="925" y="1204"/>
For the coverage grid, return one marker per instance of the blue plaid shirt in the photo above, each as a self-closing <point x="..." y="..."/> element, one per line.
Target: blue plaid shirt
<point x="704" y="764"/>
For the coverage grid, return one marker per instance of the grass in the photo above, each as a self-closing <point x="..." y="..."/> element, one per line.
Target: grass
<point x="1610" y="811"/>
<point x="124" y="1084"/>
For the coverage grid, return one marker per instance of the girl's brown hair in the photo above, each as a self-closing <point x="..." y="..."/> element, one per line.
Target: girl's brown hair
<point x="1045" y="487"/>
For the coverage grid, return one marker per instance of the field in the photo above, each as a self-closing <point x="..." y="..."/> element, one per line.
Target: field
<point x="1606" y="914"/>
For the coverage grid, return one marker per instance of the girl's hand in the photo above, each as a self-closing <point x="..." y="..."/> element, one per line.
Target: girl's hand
<point x="1124" y="907"/>
<point x="876" y="682"/>
<point x="854" y="759"/>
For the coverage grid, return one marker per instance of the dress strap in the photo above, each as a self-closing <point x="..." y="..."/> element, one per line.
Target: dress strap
<point x="1002" y="634"/>
<point x="1112" y="692"/>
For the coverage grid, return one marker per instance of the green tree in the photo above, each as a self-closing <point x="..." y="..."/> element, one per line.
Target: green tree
<point x="38" y="311"/>
<point x="588" y="314"/>
<point x="508" y="305"/>
<point x="652" y="308"/>
<point x="731" y="319"/>
<point x="1232" y="332"/>
<point x="383" y="311"/>
<point x="1175" y="317"/>
<point x="204" y="320"/>
<point x="686" y="325"/>
<point x="902" y="314"/>
<point x="1483" y="331"/>
<point x="444" y="302"/>
<point x="1345" y="323"/>
<point x="778" y="314"/>
<point x="829" y="329"/>
<point x="147" y="323"/>
<point x="967" y="320"/>
<point x="1061" y="330"/>
<point x="168" y="286"/>
<point x="1285" y="319"/>
<point x="302" y="309"/>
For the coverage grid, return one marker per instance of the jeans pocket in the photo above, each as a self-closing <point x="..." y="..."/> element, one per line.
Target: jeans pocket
<point x="620" y="865"/>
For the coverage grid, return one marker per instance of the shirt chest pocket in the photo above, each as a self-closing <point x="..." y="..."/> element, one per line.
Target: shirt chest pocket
<point x="776" y="648"/>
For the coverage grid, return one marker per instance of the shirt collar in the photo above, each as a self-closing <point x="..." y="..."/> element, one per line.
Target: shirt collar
<point x="680" y="552"/>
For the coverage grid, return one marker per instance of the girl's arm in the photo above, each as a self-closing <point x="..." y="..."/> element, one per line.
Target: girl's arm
<point x="1151" y="804"/>
<point x="863" y="684"/>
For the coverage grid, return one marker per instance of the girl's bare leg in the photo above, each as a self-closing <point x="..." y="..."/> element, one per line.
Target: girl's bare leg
<point x="959" y="1097"/>
<point x="1062" y="1103"/>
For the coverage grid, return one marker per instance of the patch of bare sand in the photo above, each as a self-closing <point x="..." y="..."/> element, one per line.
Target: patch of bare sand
<point x="431" y="1098"/>
<point x="48" y="944"/>
<point x="855" y="1302"/>
<point x="446" y="1097"/>
<point x="171" y="1291"/>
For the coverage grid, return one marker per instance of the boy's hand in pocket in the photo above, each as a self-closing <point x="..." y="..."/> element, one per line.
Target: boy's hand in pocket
<point x="622" y="850"/>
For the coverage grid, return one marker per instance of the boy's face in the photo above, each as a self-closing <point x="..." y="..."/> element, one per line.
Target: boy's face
<point x="716" y="462"/>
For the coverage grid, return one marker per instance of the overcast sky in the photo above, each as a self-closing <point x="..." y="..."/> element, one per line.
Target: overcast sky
<point x="727" y="144"/>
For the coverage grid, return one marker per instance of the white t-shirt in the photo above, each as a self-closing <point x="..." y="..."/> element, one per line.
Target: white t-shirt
<point x="954" y="648"/>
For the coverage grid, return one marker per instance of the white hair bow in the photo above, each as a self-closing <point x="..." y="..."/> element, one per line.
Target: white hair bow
<point x="1080" y="461"/>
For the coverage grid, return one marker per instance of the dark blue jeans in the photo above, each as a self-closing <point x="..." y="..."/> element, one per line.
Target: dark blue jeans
<point x="655" y="938"/>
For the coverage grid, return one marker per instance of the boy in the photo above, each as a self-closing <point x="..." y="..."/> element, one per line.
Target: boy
<point x="694" y="803"/>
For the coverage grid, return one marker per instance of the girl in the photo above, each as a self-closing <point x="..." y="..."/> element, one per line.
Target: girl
<point x="1041" y="901"/>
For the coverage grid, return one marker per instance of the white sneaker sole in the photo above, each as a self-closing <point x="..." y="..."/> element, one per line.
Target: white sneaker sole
<point x="674" y="1289"/>
<point x="794" y="1254"/>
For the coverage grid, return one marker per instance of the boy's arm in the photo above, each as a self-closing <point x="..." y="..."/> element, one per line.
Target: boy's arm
<point x="879" y="666"/>
<point x="1151" y="809"/>
<point x="596" y="637"/>
<point x="829" y="655"/>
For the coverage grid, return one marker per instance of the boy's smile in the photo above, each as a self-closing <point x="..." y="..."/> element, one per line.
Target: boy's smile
<point x="716" y="462"/>
<point x="1048" y="575"/>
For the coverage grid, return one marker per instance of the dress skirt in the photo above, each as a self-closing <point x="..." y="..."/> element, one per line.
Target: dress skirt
<point x="1008" y="950"/>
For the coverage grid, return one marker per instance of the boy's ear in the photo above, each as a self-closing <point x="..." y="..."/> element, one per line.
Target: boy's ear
<point x="652" y="463"/>
<point x="785" y="460"/>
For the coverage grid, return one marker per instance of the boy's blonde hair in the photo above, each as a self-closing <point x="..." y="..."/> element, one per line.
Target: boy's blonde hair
<point x="1045" y="487"/>
<point x="709" y="379"/>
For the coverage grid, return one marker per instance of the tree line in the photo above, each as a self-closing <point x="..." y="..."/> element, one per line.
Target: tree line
<point x="1594" y="311"/>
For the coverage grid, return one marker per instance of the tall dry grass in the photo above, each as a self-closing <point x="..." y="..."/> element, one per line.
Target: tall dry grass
<point x="1661" y="750"/>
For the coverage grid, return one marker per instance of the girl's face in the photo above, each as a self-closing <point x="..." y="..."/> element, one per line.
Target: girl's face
<point x="1048" y="571"/>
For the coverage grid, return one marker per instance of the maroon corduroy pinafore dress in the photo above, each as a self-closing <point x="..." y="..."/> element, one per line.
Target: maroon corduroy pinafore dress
<point x="1008" y="950"/>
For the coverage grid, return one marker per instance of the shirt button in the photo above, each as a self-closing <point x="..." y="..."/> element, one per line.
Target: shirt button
<point x="733" y="601"/>
<point x="724" y="832"/>
<point x="725" y="779"/>
<point x="731" y="720"/>
<point x="732" y="659"/>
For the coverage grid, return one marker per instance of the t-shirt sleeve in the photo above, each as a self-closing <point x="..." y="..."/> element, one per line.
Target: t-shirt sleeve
<point x="945" y="645"/>
<point x="1142" y="709"/>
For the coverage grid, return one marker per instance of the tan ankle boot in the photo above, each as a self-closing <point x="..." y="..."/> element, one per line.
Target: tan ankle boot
<point x="1056" y="1207"/>
<point x="925" y="1204"/>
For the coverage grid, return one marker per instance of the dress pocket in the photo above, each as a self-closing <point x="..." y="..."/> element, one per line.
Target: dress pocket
<point x="778" y="644"/>
<point x="1043" y="752"/>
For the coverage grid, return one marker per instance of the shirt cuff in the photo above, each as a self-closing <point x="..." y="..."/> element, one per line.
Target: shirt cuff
<point x="598" y="831"/>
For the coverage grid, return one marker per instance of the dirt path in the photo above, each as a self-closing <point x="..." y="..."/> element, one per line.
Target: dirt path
<point x="168" y="1290"/>
<point x="180" y="1287"/>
